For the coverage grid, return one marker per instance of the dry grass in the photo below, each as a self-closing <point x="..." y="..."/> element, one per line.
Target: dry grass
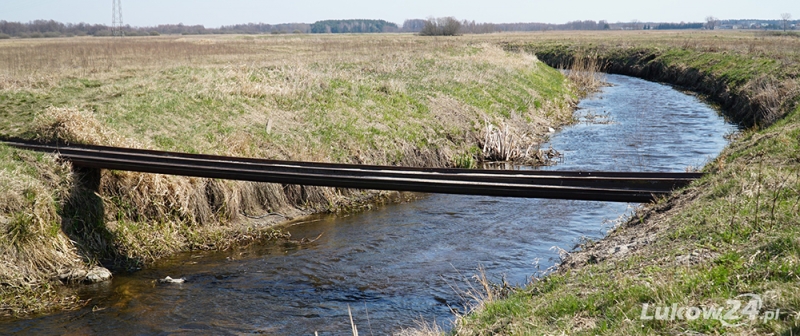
<point x="503" y="143"/>
<point x="585" y="72"/>
<point x="385" y="99"/>
<point x="422" y="329"/>
<point x="32" y="245"/>
<point x="771" y="95"/>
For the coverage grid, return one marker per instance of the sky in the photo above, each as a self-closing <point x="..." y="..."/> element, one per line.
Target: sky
<point x="215" y="13"/>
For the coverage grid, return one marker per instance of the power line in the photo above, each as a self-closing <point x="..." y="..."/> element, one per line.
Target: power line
<point x="116" y="18"/>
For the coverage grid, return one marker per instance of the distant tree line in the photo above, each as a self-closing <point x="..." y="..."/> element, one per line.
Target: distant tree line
<point x="50" y="28"/>
<point x="45" y="28"/>
<point x="353" y="26"/>
<point x="691" y="25"/>
<point x="573" y="25"/>
<point x="535" y="26"/>
<point x="471" y="27"/>
<point x="263" y="28"/>
<point x="413" y="25"/>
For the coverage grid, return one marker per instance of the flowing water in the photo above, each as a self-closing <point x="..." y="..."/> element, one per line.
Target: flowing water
<point x="399" y="263"/>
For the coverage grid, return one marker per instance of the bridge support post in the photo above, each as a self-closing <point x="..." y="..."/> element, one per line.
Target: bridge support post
<point x="87" y="178"/>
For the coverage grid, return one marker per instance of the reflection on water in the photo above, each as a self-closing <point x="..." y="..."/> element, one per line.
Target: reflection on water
<point x="401" y="262"/>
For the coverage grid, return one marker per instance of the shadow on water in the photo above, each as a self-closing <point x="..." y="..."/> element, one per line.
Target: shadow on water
<point x="401" y="262"/>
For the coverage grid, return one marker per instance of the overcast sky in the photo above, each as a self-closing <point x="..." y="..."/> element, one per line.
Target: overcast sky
<point x="214" y="13"/>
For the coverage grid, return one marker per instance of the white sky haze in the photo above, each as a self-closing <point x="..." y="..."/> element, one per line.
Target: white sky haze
<point x="214" y="13"/>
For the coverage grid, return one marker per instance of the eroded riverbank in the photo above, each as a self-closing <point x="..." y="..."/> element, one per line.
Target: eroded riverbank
<point x="400" y="262"/>
<point x="704" y="246"/>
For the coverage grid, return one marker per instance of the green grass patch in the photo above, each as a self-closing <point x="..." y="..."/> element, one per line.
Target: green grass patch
<point x="734" y="232"/>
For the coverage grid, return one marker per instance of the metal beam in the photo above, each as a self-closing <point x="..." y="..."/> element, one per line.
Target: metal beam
<point x="598" y="186"/>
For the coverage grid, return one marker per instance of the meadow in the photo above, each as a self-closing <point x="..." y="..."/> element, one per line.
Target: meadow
<point x="376" y="99"/>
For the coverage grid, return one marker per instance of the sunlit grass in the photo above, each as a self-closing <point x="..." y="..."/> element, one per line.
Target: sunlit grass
<point x="733" y="232"/>
<point x="377" y="99"/>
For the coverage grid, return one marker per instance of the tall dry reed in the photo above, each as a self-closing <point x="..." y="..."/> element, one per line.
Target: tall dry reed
<point x="585" y="72"/>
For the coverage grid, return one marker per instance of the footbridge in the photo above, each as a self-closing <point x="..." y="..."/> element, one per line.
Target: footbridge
<point x="635" y="187"/>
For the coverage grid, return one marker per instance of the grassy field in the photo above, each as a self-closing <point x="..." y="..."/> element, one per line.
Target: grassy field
<point x="398" y="99"/>
<point x="378" y="99"/>
<point x="735" y="232"/>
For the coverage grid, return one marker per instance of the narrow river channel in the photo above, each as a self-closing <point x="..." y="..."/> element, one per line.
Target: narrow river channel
<point x="399" y="263"/>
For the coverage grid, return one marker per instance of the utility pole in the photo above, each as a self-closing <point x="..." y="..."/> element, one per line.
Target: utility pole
<point x="116" y="18"/>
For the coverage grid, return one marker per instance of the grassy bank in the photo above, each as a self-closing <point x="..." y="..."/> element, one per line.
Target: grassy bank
<point x="734" y="232"/>
<point x="383" y="99"/>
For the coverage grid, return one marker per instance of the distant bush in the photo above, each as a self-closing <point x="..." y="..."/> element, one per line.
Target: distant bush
<point x="102" y="33"/>
<point x="36" y="35"/>
<point x="5" y="36"/>
<point x="296" y="31"/>
<point x="446" y="26"/>
<point x="52" y="34"/>
<point x="154" y="33"/>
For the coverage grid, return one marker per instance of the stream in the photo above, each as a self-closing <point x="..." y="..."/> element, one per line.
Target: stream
<point x="401" y="263"/>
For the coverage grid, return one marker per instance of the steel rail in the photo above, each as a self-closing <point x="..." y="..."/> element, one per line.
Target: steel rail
<point x="26" y="144"/>
<point x="590" y="181"/>
<point x="608" y="179"/>
<point x="604" y="186"/>
<point x="378" y="183"/>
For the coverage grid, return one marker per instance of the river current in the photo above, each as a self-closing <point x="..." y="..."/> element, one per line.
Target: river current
<point x="404" y="262"/>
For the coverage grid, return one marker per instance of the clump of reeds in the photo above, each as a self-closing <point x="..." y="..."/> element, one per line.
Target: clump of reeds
<point x="500" y="144"/>
<point x="585" y="72"/>
<point x="506" y="144"/>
